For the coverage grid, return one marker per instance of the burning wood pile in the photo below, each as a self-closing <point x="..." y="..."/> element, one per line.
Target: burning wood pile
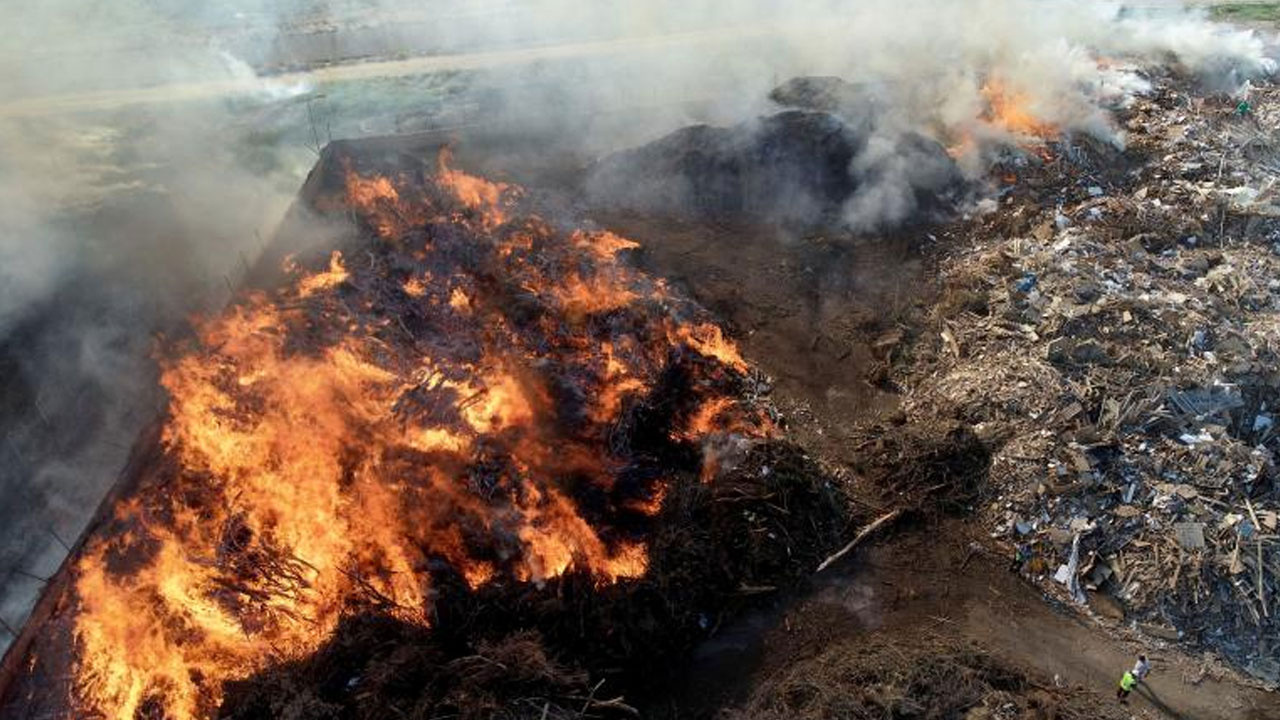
<point x="1109" y="325"/>
<point x="470" y="432"/>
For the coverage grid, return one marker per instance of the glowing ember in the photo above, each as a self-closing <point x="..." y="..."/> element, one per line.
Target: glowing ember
<point x="415" y="286"/>
<point x="332" y="444"/>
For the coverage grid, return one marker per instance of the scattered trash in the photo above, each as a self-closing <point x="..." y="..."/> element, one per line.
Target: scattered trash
<point x="1190" y="535"/>
<point x="1069" y="574"/>
<point x="1124" y="350"/>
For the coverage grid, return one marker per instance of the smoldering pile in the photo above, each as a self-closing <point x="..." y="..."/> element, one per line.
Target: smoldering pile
<point x="925" y="101"/>
<point x="826" y="159"/>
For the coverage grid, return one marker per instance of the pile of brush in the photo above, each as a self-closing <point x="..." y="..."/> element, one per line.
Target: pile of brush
<point x="571" y="647"/>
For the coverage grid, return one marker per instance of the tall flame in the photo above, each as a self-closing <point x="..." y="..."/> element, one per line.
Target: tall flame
<point x="329" y="442"/>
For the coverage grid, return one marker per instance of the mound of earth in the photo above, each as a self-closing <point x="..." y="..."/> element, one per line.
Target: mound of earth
<point x="796" y="168"/>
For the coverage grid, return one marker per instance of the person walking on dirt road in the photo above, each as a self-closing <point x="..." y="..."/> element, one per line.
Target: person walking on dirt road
<point x="1141" y="668"/>
<point x="1127" y="681"/>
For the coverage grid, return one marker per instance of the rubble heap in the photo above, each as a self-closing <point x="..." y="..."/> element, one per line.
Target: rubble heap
<point x="1112" y="326"/>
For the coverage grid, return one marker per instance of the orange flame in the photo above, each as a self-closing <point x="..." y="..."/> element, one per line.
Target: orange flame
<point x="1011" y="110"/>
<point x="320" y="454"/>
<point x="487" y="198"/>
<point x="336" y="275"/>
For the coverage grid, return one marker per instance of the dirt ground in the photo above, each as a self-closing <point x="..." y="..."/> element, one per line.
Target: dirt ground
<point x="808" y="312"/>
<point x="929" y="578"/>
<point x="806" y="309"/>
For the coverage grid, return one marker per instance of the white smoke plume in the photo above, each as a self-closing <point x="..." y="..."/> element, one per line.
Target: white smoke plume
<point x="637" y="70"/>
<point x="931" y="66"/>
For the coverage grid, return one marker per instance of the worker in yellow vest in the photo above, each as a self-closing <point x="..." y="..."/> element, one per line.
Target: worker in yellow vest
<point x="1127" y="681"/>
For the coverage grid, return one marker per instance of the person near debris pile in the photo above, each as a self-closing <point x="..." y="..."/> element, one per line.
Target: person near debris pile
<point x="1141" y="668"/>
<point x="1127" y="681"/>
<point x="1021" y="556"/>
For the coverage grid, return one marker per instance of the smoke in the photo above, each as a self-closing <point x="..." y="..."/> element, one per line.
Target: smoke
<point x="114" y="225"/>
<point x="147" y="147"/>
<point x="973" y="74"/>
<point x="945" y="70"/>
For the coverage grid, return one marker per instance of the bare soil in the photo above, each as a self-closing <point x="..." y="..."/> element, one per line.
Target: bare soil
<point x="929" y="579"/>
<point x="809" y="311"/>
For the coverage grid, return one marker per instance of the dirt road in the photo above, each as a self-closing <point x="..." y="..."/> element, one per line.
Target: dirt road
<point x="298" y="82"/>
<point x="928" y="578"/>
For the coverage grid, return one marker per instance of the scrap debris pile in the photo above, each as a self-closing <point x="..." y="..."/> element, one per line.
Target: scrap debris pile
<point x="466" y="422"/>
<point x="1112" y="326"/>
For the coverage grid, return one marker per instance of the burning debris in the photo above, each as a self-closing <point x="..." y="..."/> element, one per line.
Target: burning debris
<point x="597" y="651"/>
<point x="467" y="420"/>
<point x="469" y="461"/>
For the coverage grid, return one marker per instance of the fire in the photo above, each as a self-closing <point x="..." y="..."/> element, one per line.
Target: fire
<point x="1011" y="110"/>
<point x="378" y="200"/>
<point x="336" y="275"/>
<point x="436" y="405"/>
<point x="1008" y="116"/>
<point x="965" y="146"/>
<point x="703" y="421"/>
<point x="604" y="244"/>
<point x="416" y="286"/>
<point x="459" y="300"/>
<point x="485" y="197"/>
<point x="709" y="340"/>
<point x="618" y="384"/>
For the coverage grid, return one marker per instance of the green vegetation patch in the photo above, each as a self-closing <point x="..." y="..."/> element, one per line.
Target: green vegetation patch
<point x="1247" y="12"/>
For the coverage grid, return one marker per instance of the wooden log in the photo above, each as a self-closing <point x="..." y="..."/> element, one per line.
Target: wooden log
<point x="857" y="539"/>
